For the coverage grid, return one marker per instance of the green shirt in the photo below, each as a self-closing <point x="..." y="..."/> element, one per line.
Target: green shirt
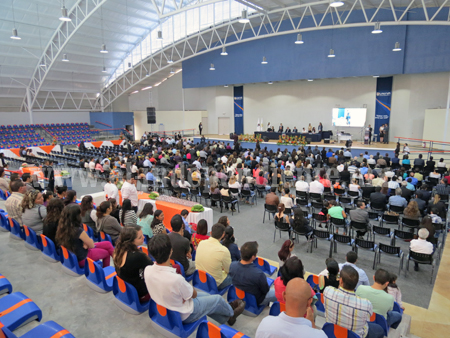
<point x="336" y="212"/>
<point x="382" y="301"/>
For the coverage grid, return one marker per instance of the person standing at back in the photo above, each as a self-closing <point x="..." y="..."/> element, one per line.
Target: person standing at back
<point x="129" y="192"/>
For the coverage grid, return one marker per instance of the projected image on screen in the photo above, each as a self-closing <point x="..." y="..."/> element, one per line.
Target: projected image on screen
<point x="349" y="117"/>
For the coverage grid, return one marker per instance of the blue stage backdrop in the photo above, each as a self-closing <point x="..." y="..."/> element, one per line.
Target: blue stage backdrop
<point x="382" y="103"/>
<point x="239" y="110"/>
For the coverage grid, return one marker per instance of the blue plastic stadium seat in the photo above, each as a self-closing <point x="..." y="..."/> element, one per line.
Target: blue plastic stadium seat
<point x="105" y="237"/>
<point x="169" y="323"/>
<point x="98" y="278"/>
<point x="47" y="330"/>
<point x="380" y="320"/>
<point x="209" y="330"/>
<point x="49" y="250"/>
<point x="277" y="308"/>
<point x="183" y="273"/>
<point x="126" y="297"/>
<point x="336" y="331"/>
<point x="31" y="239"/>
<point x="4" y="222"/>
<point x="17" y="309"/>
<point x="320" y="304"/>
<point x="16" y="230"/>
<point x="251" y="307"/>
<point x="70" y="263"/>
<point x="5" y="285"/>
<point x="90" y="232"/>
<point x="313" y="281"/>
<point x="265" y="266"/>
<point x="205" y="282"/>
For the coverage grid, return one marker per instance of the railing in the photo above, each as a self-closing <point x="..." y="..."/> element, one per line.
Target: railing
<point x="171" y="133"/>
<point x="428" y="147"/>
<point x="104" y="124"/>
<point x="108" y="134"/>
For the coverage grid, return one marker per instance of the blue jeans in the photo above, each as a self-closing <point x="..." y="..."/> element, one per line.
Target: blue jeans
<point x="213" y="306"/>
<point x="375" y="331"/>
<point x="393" y="319"/>
<point x="227" y="281"/>
<point x="270" y="297"/>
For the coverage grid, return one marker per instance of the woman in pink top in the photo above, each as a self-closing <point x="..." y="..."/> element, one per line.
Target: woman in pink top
<point x="292" y="268"/>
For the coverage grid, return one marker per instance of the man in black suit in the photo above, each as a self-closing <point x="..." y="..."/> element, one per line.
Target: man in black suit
<point x="288" y="130"/>
<point x="406" y="193"/>
<point x="419" y="162"/>
<point x="378" y="200"/>
<point x="295" y="130"/>
<point x="387" y="159"/>
<point x="280" y="129"/>
<point x="420" y="202"/>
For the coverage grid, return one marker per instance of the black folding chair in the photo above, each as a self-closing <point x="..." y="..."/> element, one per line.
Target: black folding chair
<point x="298" y="234"/>
<point x="339" y="191"/>
<point x="327" y="190"/>
<point x="206" y="196"/>
<point x="186" y="192"/>
<point x="338" y="223"/>
<point x="369" y="245"/>
<point x="389" y="219"/>
<point x="302" y="195"/>
<point x="411" y="224"/>
<point x="302" y="202"/>
<point x="405" y="235"/>
<point x="344" y="239"/>
<point x="248" y="193"/>
<point x="194" y="193"/>
<point x="271" y="209"/>
<point x="322" y="234"/>
<point x="390" y="250"/>
<point x="218" y="199"/>
<point x="233" y="202"/>
<point x="396" y="208"/>
<point x="315" y="196"/>
<point x="235" y="192"/>
<point x="381" y="231"/>
<point x="321" y="219"/>
<point x="281" y="226"/>
<point x="261" y="190"/>
<point x="421" y="258"/>
<point x="316" y="205"/>
<point x="359" y="226"/>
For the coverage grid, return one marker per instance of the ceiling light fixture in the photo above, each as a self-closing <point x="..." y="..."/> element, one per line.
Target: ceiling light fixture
<point x="376" y="76"/>
<point x="64" y="16"/>
<point x="172" y="71"/>
<point x="377" y="29"/>
<point x="264" y="61"/>
<point x="129" y="64"/>
<point x="270" y="82"/>
<point x="159" y="36"/>
<point x="104" y="50"/>
<point x="336" y="4"/>
<point x="244" y="17"/>
<point x="104" y="70"/>
<point x="224" y="51"/>
<point x="148" y="74"/>
<point x="149" y="87"/>
<point x="226" y="86"/>
<point x="65" y="59"/>
<point x="331" y="54"/>
<point x="42" y="64"/>
<point x="212" y="67"/>
<point x="310" y="80"/>
<point x="299" y="39"/>
<point x="15" y="35"/>
<point x="170" y="60"/>
<point x="397" y="47"/>
<point x="136" y="91"/>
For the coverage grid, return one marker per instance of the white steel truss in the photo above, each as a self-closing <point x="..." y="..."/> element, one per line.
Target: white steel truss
<point x="262" y="25"/>
<point x="79" y="14"/>
<point x="59" y="100"/>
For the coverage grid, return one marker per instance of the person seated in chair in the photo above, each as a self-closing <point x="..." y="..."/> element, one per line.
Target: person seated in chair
<point x="214" y="258"/>
<point x="288" y="130"/>
<point x="247" y="277"/>
<point x="378" y="200"/>
<point x="398" y="200"/>
<point x="295" y="130"/>
<point x="272" y="197"/>
<point x="360" y="215"/>
<point x="280" y="128"/>
<point x="421" y="245"/>
<point x="351" y="259"/>
<point x="382" y="302"/>
<point x="181" y="248"/>
<point x="298" y="319"/>
<point x="172" y="291"/>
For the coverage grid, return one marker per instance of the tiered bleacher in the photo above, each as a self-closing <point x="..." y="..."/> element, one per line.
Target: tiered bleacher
<point x="20" y="135"/>
<point x="70" y="133"/>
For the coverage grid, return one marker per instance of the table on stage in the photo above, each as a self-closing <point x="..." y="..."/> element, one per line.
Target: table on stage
<point x="317" y="137"/>
<point x="171" y="209"/>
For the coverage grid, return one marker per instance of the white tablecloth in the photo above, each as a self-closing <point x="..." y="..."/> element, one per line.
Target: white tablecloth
<point x="344" y="137"/>
<point x="193" y="217"/>
<point x="98" y="197"/>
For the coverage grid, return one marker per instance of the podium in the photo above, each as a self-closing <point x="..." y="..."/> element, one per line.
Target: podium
<point x="366" y="136"/>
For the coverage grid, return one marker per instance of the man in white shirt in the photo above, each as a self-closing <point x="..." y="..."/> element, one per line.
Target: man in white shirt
<point x="92" y="164"/>
<point x="129" y="191"/>
<point x="351" y="258"/>
<point x="197" y="164"/>
<point x="297" y="321"/>
<point x="111" y="190"/>
<point x="340" y="167"/>
<point x="301" y="185"/>
<point x="316" y="187"/>
<point x="421" y="245"/>
<point x="224" y="159"/>
<point x="169" y="289"/>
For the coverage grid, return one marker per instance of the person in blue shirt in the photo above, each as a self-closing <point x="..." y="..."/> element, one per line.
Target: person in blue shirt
<point x="406" y="160"/>
<point x="147" y="163"/>
<point x="414" y="180"/>
<point x="395" y="159"/>
<point x="184" y="214"/>
<point x="150" y="176"/>
<point x="366" y="155"/>
<point x="363" y="170"/>
<point x="228" y="241"/>
<point x="330" y="153"/>
<point x="409" y="184"/>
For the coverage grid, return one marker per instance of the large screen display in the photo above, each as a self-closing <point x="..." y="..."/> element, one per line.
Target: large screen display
<point x="349" y="117"/>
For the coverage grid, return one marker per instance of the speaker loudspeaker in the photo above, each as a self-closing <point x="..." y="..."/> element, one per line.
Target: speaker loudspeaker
<point x="151" y="115"/>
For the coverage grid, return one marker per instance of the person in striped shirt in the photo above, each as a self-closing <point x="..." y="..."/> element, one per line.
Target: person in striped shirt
<point x="344" y="308"/>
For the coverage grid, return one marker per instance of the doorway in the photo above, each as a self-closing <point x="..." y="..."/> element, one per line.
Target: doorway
<point x="224" y="125"/>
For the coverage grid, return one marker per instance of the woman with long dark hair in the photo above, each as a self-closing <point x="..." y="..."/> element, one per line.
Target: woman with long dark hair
<point x="71" y="235"/>
<point x="201" y="234"/>
<point x="88" y="213"/>
<point x="286" y="251"/>
<point x="332" y="278"/>
<point x="300" y="224"/>
<point x="54" y="210"/>
<point x="115" y="209"/>
<point x="157" y="225"/>
<point x="130" y="262"/>
<point x="146" y="219"/>
<point x="71" y="197"/>
<point x="127" y="215"/>
<point x="107" y="223"/>
<point x="228" y="242"/>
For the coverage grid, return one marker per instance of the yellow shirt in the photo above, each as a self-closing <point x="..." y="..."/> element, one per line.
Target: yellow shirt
<point x="214" y="258"/>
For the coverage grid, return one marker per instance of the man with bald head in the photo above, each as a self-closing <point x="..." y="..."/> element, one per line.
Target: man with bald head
<point x="297" y="320"/>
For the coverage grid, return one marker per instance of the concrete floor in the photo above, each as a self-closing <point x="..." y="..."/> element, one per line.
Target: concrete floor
<point x="86" y="313"/>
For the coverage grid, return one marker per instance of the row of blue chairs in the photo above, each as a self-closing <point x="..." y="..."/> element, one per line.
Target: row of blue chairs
<point x="17" y="310"/>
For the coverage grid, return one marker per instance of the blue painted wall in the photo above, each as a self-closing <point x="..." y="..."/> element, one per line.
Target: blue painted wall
<point x="114" y="119"/>
<point x="358" y="53"/>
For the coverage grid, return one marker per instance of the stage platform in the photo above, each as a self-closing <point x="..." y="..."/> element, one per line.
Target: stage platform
<point x="356" y="149"/>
